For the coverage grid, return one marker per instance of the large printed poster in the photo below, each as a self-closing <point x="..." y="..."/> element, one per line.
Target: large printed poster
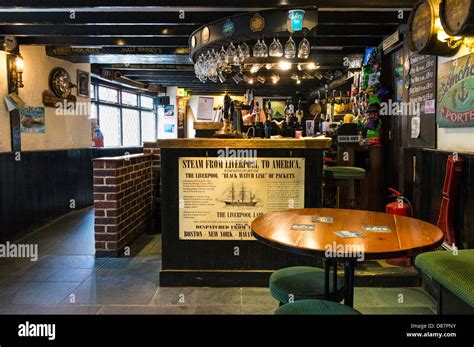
<point x="456" y="93"/>
<point x="219" y="197"/>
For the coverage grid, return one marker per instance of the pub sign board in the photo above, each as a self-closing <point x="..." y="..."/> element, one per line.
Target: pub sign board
<point x="455" y="106"/>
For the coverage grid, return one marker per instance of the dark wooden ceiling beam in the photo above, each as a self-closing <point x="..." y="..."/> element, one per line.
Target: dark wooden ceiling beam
<point x="105" y="41"/>
<point x="190" y="18"/>
<point x="137" y="30"/>
<point x="129" y="30"/>
<point x="121" y="55"/>
<point x="338" y="41"/>
<point x="207" y="3"/>
<point x="146" y="67"/>
<point x="110" y="17"/>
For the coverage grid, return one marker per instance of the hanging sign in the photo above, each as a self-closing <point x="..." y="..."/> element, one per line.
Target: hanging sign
<point x="257" y="22"/>
<point x="228" y="28"/>
<point x="391" y="41"/>
<point x="456" y="92"/>
<point x="296" y="19"/>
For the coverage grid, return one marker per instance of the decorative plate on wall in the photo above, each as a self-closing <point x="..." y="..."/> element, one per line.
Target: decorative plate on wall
<point x="60" y="83"/>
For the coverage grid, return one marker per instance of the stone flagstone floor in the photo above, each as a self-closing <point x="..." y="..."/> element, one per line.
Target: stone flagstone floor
<point x="68" y="279"/>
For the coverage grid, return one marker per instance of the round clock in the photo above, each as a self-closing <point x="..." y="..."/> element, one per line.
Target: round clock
<point x="60" y="83"/>
<point x="10" y="43"/>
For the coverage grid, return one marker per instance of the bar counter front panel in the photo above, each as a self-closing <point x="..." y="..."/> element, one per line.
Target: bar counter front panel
<point x="228" y="262"/>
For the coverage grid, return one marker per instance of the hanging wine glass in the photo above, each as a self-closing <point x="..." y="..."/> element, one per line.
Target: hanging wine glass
<point x="245" y="51"/>
<point x="231" y="52"/>
<point x="257" y="49"/>
<point x="237" y="56"/>
<point x="264" y="48"/>
<point x="304" y="48"/>
<point x="290" y="48"/>
<point x="276" y="48"/>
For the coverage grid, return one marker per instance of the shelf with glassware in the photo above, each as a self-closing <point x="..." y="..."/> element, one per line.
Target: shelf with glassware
<point x="235" y="48"/>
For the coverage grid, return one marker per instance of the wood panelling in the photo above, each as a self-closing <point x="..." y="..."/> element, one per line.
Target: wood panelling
<point x="194" y="262"/>
<point x="40" y="186"/>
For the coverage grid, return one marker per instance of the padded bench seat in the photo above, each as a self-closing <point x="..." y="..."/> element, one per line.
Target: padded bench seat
<point x="315" y="307"/>
<point x="453" y="272"/>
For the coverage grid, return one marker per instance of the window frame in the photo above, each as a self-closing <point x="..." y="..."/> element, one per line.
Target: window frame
<point x="96" y="102"/>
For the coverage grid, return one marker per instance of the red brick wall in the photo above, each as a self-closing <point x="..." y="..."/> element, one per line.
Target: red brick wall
<point x="122" y="201"/>
<point x="152" y="148"/>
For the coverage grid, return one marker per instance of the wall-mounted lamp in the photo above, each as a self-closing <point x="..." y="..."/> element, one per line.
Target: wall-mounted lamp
<point x="16" y="71"/>
<point x="441" y="35"/>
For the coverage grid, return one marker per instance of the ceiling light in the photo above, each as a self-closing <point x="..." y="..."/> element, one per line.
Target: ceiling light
<point x="284" y="65"/>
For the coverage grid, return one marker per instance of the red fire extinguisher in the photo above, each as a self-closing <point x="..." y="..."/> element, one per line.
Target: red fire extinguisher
<point x="401" y="207"/>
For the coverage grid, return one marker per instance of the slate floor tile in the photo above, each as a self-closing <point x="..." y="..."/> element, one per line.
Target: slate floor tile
<point x="197" y="296"/>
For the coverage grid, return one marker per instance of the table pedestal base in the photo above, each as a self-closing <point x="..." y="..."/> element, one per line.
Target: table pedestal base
<point x="349" y="280"/>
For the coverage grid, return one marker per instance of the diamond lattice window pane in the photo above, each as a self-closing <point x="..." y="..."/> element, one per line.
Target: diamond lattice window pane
<point x="131" y="127"/>
<point x="109" y="121"/>
<point x="147" y="102"/>
<point x="108" y="94"/>
<point x="148" y="126"/>
<point x="129" y="99"/>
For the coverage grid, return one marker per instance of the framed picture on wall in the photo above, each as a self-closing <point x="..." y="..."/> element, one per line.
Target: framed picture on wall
<point x="83" y="84"/>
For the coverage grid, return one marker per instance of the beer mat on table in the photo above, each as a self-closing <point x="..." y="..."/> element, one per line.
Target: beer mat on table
<point x="377" y="228"/>
<point x="348" y="234"/>
<point x="328" y="220"/>
<point x="305" y="227"/>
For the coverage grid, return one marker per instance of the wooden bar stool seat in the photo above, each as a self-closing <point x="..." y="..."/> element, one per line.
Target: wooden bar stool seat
<point x="344" y="177"/>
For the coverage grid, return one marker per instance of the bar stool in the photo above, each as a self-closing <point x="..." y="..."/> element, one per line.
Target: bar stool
<point x="315" y="307"/>
<point x="302" y="282"/>
<point x="344" y="177"/>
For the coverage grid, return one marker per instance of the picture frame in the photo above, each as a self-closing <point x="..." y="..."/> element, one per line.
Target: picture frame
<point x="83" y="84"/>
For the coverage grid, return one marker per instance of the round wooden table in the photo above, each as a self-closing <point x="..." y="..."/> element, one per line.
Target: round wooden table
<point x="299" y="231"/>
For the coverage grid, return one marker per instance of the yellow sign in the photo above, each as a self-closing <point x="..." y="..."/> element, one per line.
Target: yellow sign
<point x="257" y="22"/>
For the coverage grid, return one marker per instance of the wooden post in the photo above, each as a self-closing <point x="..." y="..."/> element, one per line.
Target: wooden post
<point x="15" y="114"/>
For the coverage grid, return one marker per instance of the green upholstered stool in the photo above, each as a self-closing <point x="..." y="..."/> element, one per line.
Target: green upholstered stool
<point x="344" y="172"/>
<point x="316" y="307"/>
<point x="344" y="176"/>
<point x="301" y="282"/>
<point x="453" y="272"/>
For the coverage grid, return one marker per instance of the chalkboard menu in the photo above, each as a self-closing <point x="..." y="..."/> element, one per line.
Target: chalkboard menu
<point x="422" y="97"/>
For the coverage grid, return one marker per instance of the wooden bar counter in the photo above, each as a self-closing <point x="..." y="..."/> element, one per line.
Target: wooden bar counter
<point x="211" y="191"/>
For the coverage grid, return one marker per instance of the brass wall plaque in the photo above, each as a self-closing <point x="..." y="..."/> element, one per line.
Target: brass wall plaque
<point x="257" y="22"/>
<point x="205" y="35"/>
